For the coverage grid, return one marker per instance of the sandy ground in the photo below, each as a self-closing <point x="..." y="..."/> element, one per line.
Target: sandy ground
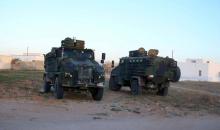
<point x="117" y="110"/>
<point x="189" y="105"/>
<point x="24" y="115"/>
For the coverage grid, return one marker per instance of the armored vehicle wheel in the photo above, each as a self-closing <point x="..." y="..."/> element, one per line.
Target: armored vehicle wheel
<point x="177" y="75"/>
<point x="163" y="90"/>
<point x="113" y="84"/>
<point x="46" y="87"/>
<point x="135" y="87"/>
<point x="97" y="93"/>
<point x="58" y="89"/>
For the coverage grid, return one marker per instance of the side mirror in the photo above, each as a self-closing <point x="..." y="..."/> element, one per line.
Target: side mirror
<point x="103" y="58"/>
<point x="113" y="64"/>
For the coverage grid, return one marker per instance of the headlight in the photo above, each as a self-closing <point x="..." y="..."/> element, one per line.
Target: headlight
<point x="101" y="76"/>
<point x="68" y="75"/>
<point x="173" y="64"/>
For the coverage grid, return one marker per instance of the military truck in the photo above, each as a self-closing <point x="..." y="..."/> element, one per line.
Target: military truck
<point x="71" y="66"/>
<point x="144" y="70"/>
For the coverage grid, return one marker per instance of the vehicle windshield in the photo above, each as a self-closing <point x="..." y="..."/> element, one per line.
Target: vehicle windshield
<point x="78" y="54"/>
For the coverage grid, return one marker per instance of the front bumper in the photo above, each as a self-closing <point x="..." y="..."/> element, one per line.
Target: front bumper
<point x="80" y="84"/>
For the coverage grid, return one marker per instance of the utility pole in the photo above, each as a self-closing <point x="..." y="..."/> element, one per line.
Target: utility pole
<point x="27" y="50"/>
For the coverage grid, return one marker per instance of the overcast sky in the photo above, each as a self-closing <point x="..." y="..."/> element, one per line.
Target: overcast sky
<point x="189" y="27"/>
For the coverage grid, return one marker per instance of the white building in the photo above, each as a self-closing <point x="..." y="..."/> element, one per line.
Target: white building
<point x="199" y="70"/>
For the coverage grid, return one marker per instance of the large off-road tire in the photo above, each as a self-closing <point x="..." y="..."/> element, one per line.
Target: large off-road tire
<point x="97" y="93"/>
<point x="58" y="89"/>
<point x="113" y="84"/>
<point x="163" y="90"/>
<point x="136" y="89"/>
<point x="46" y="87"/>
<point x="177" y="75"/>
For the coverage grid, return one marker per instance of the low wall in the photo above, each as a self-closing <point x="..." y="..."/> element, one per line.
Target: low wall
<point x="28" y="65"/>
<point x="5" y="62"/>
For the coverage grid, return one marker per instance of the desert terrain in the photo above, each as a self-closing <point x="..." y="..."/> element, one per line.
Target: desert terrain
<point x="189" y="105"/>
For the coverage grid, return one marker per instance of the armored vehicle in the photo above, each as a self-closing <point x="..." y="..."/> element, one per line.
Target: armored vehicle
<point x="71" y="66"/>
<point x="144" y="70"/>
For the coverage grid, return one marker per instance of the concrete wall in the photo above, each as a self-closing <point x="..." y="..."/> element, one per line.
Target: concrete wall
<point x="31" y="62"/>
<point x="29" y="57"/>
<point x="5" y="62"/>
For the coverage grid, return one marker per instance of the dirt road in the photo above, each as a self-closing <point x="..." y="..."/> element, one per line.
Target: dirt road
<point x="28" y="115"/>
<point x="189" y="105"/>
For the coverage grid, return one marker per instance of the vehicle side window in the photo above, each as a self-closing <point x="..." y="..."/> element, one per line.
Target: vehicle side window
<point x="58" y="53"/>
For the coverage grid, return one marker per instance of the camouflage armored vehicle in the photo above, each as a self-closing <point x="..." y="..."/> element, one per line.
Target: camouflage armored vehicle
<point x="71" y="66"/>
<point x="144" y="70"/>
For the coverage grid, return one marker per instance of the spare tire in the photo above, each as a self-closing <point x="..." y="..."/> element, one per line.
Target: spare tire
<point x="177" y="74"/>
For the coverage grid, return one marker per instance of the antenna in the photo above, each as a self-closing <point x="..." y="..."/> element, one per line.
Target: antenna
<point x="62" y="52"/>
<point x="172" y="54"/>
